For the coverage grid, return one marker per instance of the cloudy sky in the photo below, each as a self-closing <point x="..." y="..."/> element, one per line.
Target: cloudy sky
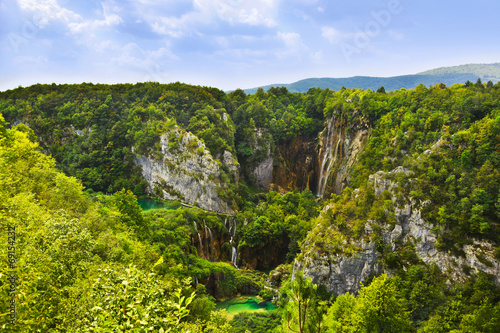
<point x="238" y="43"/>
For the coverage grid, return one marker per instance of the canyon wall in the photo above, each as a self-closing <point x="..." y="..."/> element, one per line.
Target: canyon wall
<point x="184" y="170"/>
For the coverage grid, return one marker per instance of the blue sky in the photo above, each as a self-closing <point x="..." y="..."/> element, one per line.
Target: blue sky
<point x="238" y="43"/>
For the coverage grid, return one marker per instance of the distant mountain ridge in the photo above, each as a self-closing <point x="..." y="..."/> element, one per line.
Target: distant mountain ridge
<point x="446" y="75"/>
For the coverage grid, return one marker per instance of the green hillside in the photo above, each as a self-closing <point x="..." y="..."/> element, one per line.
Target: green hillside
<point x="446" y="75"/>
<point x="87" y="258"/>
<point x="481" y="70"/>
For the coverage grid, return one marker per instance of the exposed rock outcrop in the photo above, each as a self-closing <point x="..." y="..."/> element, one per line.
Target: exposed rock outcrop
<point x="263" y="173"/>
<point x="184" y="170"/>
<point x="339" y="146"/>
<point x="323" y="165"/>
<point x="295" y="167"/>
<point x="232" y="164"/>
<point x="342" y="273"/>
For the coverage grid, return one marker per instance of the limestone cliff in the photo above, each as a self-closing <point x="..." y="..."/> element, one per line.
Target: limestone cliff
<point x="263" y="171"/>
<point x="184" y="170"/>
<point x="342" y="272"/>
<point x="323" y="165"/>
<point x="339" y="146"/>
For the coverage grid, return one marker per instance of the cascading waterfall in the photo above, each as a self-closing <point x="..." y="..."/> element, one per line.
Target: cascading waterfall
<point x="232" y="234"/>
<point x="206" y="238"/>
<point x="199" y="238"/>
<point x="330" y="156"/>
<point x="201" y="244"/>
<point x="212" y="243"/>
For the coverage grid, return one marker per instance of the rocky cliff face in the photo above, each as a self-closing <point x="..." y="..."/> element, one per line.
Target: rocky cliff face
<point x="296" y="165"/>
<point x="339" y="146"/>
<point x="184" y="170"/>
<point x="343" y="273"/>
<point x="263" y="172"/>
<point x="212" y="244"/>
<point x="322" y="165"/>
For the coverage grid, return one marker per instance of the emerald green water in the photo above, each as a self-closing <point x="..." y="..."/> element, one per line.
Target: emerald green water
<point x="151" y="204"/>
<point x="245" y="304"/>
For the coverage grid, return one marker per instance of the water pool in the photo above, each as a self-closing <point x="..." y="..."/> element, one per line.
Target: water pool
<point x="240" y="304"/>
<point x="147" y="204"/>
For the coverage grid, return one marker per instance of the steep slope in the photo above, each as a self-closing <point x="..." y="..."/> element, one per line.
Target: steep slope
<point x="425" y="193"/>
<point x="185" y="171"/>
<point x="381" y="245"/>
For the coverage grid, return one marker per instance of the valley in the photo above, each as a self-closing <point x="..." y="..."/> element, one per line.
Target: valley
<point x="342" y="210"/>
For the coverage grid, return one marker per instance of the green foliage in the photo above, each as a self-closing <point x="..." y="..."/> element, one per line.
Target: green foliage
<point x="379" y="307"/>
<point x="85" y="260"/>
<point x="448" y="75"/>
<point x="72" y="251"/>
<point x="131" y="212"/>
<point x="302" y="313"/>
<point x="282" y="220"/>
<point x="90" y="129"/>
<point x="255" y="322"/>
<point x="133" y="301"/>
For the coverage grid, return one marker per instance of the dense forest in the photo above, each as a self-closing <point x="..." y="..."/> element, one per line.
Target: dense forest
<point x="89" y="259"/>
<point x="447" y="75"/>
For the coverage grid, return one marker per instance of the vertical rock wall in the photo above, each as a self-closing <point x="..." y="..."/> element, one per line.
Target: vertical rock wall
<point x="184" y="170"/>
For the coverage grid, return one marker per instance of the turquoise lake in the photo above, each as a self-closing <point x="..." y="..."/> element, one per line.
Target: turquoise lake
<point x="147" y="204"/>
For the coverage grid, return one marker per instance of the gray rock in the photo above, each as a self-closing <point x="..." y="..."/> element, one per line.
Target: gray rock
<point x="231" y="162"/>
<point x="263" y="173"/>
<point x="344" y="272"/>
<point x="341" y="274"/>
<point x="187" y="174"/>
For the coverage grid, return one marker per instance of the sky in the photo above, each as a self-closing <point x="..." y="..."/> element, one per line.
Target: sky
<point x="232" y="44"/>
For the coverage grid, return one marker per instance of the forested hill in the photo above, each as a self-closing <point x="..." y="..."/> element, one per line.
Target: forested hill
<point x="384" y="206"/>
<point x="446" y="75"/>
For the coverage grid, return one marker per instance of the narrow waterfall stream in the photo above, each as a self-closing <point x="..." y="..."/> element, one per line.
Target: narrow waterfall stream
<point x="232" y="234"/>
<point x="329" y="155"/>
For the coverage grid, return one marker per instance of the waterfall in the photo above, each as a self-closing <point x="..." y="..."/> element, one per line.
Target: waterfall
<point x="199" y="239"/>
<point x="212" y="243"/>
<point x="330" y="156"/>
<point x="234" y="249"/>
<point x="206" y="237"/>
<point x="234" y="256"/>
<point x="196" y="280"/>
<point x="201" y="244"/>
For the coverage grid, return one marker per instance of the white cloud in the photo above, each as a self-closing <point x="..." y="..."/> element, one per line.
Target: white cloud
<point x="131" y="55"/>
<point x="291" y="39"/>
<point x="110" y="19"/>
<point x="45" y="11"/>
<point x="294" y="46"/>
<point x="171" y="26"/>
<point x="90" y="25"/>
<point x="258" y="12"/>
<point x="222" y="41"/>
<point x="253" y="13"/>
<point x="333" y="35"/>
